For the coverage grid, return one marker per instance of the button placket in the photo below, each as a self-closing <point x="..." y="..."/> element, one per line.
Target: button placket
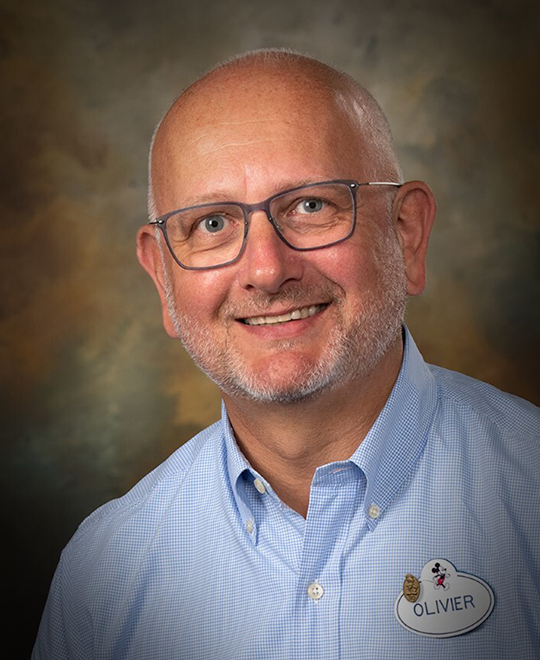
<point x="334" y="499"/>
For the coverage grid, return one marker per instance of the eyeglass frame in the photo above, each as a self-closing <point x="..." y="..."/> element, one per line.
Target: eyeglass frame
<point x="248" y="209"/>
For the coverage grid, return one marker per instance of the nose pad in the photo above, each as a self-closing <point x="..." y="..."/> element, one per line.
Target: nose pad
<point x="267" y="262"/>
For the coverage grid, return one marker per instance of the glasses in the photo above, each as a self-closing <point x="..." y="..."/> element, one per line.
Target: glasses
<point x="305" y="218"/>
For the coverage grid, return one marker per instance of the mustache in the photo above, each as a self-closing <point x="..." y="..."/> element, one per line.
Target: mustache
<point x="293" y="295"/>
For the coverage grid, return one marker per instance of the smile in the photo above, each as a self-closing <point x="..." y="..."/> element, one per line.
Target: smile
<point x="295" y="315"/>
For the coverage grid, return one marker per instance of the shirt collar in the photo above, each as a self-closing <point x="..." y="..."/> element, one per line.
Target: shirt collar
<point x="237" y="468"/>
<point x="396" y="440"/>
<point x="389" y="451"/>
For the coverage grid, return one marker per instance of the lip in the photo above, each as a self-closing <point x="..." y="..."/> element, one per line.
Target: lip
<point x="281" y="312"/>
<point x="284" y="330"/>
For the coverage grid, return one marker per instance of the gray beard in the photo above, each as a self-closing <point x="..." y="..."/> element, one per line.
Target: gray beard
<point x="350" y="354"/>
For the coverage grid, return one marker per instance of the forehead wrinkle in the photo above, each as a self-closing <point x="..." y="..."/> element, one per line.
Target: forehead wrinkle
<point x="248" y="143"/>
<point x="187" y="139"/>
<point x="208" y="127"/>
<point x="201" y="108"/>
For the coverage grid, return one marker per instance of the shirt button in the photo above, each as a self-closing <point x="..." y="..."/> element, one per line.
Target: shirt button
<point x="374" y="512"/>
<point x="249" y="526"/>
<point x="315" y="591"/>
<point x="259" y="486"/>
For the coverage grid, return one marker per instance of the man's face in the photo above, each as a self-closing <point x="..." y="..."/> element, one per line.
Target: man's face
<point x="246" y="145"/>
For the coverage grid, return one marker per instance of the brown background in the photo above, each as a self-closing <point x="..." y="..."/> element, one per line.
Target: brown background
<point x="94" y="394"/>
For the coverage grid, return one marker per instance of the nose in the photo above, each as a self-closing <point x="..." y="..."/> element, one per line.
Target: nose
<point x="267" y="262"/>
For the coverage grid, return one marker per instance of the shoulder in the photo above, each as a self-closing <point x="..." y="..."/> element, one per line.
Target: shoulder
<point x="488" y="427"/>
<point x="111" y="547"/>
<point x="481" y="401"/>
<point x="139" y="511"/>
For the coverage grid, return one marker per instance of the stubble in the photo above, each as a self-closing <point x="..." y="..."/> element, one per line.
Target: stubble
<point x="355" y="347"/>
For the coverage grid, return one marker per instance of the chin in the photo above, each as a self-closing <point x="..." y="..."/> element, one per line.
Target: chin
<point x="287" y="385"/>
<point x="268" y="393"/>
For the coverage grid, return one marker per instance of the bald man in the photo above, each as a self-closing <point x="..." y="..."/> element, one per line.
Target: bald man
<point x="353" y="502"/>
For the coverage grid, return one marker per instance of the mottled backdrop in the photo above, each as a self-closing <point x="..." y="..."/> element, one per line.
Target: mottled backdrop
<point x="94" y="393"/>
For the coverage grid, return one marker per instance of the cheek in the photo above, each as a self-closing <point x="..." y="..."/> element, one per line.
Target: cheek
<point x="200" y="294"/>
<point x="350" y="265"/>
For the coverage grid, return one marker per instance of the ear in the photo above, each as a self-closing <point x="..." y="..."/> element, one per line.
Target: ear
<point x="149" y="256"/>
<point x="413" y="214"/>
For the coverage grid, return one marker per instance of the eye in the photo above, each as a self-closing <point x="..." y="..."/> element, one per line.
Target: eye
<point x="212" y="224"/>
<point x="310" y="205"/>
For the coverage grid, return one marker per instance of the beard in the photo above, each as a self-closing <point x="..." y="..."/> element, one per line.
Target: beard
<point x="361" y="337"/>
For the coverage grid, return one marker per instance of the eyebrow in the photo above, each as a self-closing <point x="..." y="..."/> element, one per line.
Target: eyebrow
<point x="221" y="196"/>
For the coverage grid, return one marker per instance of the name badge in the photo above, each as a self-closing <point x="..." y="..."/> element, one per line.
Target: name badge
<point x="443" y="602"/>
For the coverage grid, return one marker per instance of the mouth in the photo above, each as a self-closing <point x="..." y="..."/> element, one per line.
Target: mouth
<point x="293" y="315"/>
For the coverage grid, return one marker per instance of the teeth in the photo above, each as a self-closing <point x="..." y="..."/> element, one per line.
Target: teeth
<point x="296" y="314"/>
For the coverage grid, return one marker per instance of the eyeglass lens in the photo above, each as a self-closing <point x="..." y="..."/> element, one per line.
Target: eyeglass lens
<point x="309" y="217"/>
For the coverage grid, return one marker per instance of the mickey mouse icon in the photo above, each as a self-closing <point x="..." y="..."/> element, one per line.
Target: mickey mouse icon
<point x="440" y="580"/>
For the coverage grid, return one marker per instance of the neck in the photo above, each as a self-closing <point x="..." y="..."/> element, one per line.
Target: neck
<point x="286" y="443"/>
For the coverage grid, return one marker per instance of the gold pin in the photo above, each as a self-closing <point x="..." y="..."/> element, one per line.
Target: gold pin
<point x="411" y="588"/>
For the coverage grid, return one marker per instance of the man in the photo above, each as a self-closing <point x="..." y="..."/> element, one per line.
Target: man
<point x="352" y="502"/>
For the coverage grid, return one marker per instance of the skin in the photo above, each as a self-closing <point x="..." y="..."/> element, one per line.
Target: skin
<point x="244" y="134"/>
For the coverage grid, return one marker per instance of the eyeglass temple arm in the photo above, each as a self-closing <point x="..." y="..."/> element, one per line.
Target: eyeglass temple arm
<point x="381" y="183"/>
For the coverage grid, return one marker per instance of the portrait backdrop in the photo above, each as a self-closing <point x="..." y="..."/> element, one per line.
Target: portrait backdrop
<point x="94" y="393"/>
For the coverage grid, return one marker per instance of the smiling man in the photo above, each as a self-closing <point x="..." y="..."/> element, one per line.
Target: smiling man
<point x="353" y="502"/>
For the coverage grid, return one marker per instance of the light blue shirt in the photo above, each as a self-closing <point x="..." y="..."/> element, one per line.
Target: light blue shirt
<point x="202" y="561"/>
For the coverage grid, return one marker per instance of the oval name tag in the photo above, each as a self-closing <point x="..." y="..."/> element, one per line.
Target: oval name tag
<point x="443" y="602"/>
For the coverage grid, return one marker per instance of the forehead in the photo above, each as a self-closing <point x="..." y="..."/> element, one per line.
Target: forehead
<point x="249" y="136"/>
